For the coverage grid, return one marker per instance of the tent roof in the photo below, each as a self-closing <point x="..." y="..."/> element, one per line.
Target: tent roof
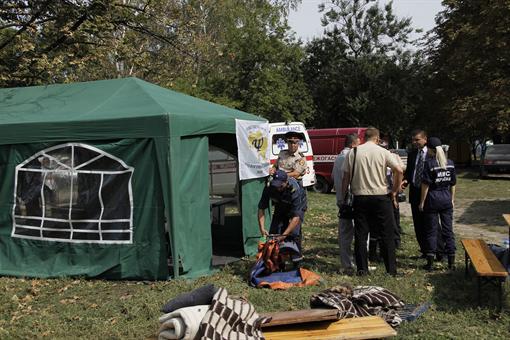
<point x="93" y="110"/>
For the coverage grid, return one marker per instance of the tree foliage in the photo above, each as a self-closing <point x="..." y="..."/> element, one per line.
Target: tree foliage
<point x="235" y="52"/>
<point x="470" y="63"/>
<point x="362" y="72"/>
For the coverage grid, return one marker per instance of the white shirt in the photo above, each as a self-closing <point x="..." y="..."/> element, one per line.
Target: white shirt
<point x="370" y="170"/>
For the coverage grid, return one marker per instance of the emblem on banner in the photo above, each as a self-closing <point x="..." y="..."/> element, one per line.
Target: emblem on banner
<point x="258" y="140"/>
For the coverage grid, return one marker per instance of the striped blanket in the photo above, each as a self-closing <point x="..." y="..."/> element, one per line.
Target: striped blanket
<point x="361" y="301"/>
<point x="230" y="318"/>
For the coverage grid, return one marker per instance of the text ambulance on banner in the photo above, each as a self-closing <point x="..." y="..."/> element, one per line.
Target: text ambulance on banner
<point x="252" y="148"/>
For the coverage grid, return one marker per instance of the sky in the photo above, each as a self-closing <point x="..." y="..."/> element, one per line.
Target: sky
<point x="306" y="21"/>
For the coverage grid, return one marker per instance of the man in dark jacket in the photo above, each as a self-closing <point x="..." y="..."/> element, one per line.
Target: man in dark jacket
<point x="289" y="202"/>
<point x="413" y="177"/>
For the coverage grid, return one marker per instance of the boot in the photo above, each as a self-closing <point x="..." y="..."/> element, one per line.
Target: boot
<point x="430" y="263"/>
<point x="451" y="261"/>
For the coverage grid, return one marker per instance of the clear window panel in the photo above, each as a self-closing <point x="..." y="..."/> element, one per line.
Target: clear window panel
<point x="73" y="193"/>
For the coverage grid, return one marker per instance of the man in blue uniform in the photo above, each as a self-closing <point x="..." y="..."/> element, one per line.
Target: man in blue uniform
<point x="436" y="201"/>
<point x="288" y="198"/>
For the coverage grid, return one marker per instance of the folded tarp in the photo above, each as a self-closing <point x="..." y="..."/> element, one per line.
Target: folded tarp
<point x="282" y="280"/>
<point x="269" y="270"/>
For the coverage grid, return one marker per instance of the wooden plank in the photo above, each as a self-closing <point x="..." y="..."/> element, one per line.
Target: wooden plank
<point x="483" y="259"/>
<point x="370" y="327"/>
<point x="507" y="219"/>
<point x="300" y="316"/>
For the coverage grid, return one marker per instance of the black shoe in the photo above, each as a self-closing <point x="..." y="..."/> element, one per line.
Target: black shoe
<point x="451" y="262"/>
<point x="430" y="262"/>
<point x="362" y="273"/>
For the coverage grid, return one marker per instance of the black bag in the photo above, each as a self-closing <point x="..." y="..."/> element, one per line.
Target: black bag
<point x="346" y="210"/>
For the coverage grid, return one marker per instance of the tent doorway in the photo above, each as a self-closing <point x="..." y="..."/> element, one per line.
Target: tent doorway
<point x="224" y="196"/>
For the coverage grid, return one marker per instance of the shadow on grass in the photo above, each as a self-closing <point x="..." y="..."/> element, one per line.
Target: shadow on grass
<point x="474" y="174"/>
<point x="454" y="292"/>
<point x="495" y="176"/>
<point x="484" y="213"/>
<point x="471" y="173"/>
<point x="322" y="259"/>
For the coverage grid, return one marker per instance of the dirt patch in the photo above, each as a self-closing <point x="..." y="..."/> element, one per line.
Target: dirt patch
<point x="481" y="219"/>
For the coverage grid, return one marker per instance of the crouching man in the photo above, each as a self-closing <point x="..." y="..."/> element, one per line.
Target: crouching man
<point x="289" y="202"/>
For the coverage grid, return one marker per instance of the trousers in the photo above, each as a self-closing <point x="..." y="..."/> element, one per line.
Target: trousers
<point x="439" y="224"/>
<point x="345" y="238"/>
<point x="374" y="214"/>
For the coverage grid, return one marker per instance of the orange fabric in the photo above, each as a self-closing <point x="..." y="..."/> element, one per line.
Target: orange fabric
<point x="270" y="254"/>
<point x="309" y="279"/>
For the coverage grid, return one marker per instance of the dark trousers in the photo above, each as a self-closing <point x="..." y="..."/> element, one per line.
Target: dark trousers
<point x="419" y="226"/>
<point x="398" y="228"/>
<point x="375" y="240"/>
<point x="418" y="217"/>
<point x="439" y="224"/>
<point x="374" y="214"/>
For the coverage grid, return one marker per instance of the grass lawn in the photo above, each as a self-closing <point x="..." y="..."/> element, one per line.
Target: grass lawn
<point x="70" y="308"/>
<point x="470" y="186"/>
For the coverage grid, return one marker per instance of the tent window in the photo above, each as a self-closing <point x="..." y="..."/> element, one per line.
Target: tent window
<point x="74" y="193"/>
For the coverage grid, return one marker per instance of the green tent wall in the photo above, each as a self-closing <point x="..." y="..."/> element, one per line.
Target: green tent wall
<point x="163" y="135"/>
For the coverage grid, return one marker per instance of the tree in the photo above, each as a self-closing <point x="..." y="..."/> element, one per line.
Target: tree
<point x="65" y="40"/>
<point x="235" y="52"/>
<point x="260" y="63"/>
<point x="362" y="72"/>
<point x="470" y="63"/>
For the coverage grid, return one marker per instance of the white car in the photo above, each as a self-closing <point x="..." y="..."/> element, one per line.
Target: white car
<point x="223" y="176"/>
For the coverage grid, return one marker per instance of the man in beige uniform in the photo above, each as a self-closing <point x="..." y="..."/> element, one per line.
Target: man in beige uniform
<point x="373" y="211"/>
<point x="291" y="161"/>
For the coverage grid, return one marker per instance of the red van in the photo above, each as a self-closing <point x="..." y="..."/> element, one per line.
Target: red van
<point x="326" y="145"/>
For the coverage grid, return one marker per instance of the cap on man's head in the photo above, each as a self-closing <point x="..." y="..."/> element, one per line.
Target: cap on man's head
<point x="433" y="142"/>
<point x="279" y="178"/>
<point x="293" y="135"/>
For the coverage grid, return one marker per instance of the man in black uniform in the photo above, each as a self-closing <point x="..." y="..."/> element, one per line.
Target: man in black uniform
<point x="289" y="208"/>
<point x="413" y="177"/>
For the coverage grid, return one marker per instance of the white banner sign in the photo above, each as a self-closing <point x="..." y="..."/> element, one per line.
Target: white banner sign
<point x="252" y="148"/>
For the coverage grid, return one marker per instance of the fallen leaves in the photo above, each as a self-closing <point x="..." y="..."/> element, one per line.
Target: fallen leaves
<point x="68" y="301"/>
<point x="126" y="296"/>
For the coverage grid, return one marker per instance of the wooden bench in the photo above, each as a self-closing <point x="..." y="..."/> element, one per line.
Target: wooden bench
<point x="368" y="327"/>
<point x="487" y="267"/>
<point x="507" y="219"/>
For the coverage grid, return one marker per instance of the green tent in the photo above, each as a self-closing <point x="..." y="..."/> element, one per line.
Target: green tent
<point x="110" y="179"/>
